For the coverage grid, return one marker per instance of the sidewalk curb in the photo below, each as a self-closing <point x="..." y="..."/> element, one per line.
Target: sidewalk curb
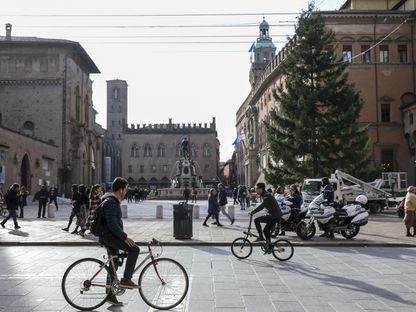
<point x="210" y="244"/>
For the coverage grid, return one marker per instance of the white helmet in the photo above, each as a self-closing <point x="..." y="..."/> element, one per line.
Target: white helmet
<point x="361" y="199"/>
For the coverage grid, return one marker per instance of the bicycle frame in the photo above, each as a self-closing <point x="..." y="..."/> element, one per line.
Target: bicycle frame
<point x="248" y="232"/>
<point x="111" y="260"/>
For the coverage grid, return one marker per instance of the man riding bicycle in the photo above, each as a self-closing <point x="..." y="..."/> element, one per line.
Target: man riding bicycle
<point x="114" y="237"/>
<point x="273" y="216"/>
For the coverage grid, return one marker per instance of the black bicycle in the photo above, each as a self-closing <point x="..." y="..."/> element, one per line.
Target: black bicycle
<point x="242" y="247"/>
<point x="163" y="282"/>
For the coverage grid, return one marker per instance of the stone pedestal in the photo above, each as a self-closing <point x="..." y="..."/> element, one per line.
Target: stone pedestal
<point x="51" y="211"/>
<point x="159" y="212"/>
<point x="196" y="211"/>
<point x="231" y="211"/>
<point x="124" y="211"/>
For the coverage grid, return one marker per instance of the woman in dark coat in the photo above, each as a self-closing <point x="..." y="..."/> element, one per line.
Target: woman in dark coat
<point x="12" y="203"/>
<point x="23" y="200"/>
<point x="212" y="207"/>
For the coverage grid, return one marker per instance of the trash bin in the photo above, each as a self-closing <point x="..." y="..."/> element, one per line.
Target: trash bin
<point x="182" y="220"/>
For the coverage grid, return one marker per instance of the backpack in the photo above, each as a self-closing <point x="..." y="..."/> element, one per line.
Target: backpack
<point x="98" y="224"/>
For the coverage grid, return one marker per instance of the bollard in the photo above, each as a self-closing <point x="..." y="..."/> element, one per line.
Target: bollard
<point x="124" y="211"/>
<point x="159" y="212"/>
<point x="51" y="211"/>
<point x="231" y="211"/>
<point x="196" y="211"/>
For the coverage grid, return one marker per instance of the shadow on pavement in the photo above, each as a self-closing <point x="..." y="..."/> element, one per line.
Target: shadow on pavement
<point x="212" y="250"/>
<point x="392" y="252"/>
<point x="19" y="233"/>
<point x="344" y="282"/>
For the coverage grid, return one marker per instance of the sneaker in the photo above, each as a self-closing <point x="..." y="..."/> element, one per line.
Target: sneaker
<point x="219" y="224"/>
<point x="112" y="299"/>
<point x="232" y="221"/>
<point x="259" y="239"/>
<point x="65" y="229"/>
<point x="214" y="223"/>
<point x="74" y="232"/>
<point x="2" y="225"/>
<point x="127" y="283"/>
<point x="17" y="227"/>
<point x="204" y="224"/>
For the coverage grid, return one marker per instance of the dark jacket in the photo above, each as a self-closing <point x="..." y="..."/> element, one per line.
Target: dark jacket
<point x="186" y="193"/>
<point x="112" y="217"/>
<point x="270" y="203"/>
<point x="213" y="204"/>
<point x="222" y="197"/>
<point x="23" y="199"/>
<point x="295" y="199"/>
<point x="81" y="199"/>
<point x="12" y="199"/>
<point x="328" y="192"/>
<point x="53" y="193"/>
<point x="42" y="195"/>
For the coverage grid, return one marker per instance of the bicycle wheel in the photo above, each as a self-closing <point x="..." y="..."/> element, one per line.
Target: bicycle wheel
<point x="163" y="284"/>
<point x="241" y="248"/>
<point x="84" y="284"/>
<point x="282" y="250"/>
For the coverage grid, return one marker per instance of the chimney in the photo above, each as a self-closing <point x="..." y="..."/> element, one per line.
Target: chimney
<point x="8" y="31"/>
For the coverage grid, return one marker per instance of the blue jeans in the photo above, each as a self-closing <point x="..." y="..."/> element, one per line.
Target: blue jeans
<point x="12" y="214"/>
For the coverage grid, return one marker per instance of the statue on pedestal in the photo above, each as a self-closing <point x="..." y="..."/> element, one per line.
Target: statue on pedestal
<point x="185" y="151"/>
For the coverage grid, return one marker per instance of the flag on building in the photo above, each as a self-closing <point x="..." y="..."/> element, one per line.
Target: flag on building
<point x="237" y="140"/>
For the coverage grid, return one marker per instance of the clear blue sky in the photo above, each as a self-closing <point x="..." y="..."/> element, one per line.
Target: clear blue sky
<point x="186" y="82"/>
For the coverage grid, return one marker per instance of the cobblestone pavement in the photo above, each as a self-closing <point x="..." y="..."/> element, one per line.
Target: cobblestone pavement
<point x="315" y="279"/>
<point x="382" y="230"/>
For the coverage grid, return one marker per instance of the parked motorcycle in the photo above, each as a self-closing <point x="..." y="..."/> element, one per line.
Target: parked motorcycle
<point x="345" y="221"/>
<point x="290" y="217"/>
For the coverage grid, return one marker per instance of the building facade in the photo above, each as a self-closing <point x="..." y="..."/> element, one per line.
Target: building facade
<point x="149" y="151"/>
<point x="46" y="96"/>
<point x="377" y="39"/>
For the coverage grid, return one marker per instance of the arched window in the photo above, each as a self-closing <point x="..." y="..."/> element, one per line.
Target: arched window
<point x="207" y="150"/>
<point x="28" y="128"/>
<point x="115" y="93"/>
<point x="87" y="111"/>
<point x="134" y="151"/>
<point x="161" y="150"/>
<point x="147" y="150"/>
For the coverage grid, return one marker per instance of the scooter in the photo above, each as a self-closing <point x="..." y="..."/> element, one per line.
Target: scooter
<point x="345" y="221"/>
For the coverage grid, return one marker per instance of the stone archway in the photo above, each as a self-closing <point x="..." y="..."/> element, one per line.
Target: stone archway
<point x="25" y="172"/>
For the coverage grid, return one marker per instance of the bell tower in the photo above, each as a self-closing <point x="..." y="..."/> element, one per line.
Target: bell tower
<point x="263" y="50"/>
<point x="116" y="108"/>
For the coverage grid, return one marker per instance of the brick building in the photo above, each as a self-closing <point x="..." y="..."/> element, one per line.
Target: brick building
<point x="148" y="152"/>
<point x="377" y="39"/>
<point x="46" y="107"/>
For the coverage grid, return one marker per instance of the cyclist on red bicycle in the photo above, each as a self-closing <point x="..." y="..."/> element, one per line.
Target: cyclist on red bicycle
<point x="273" y="216"/>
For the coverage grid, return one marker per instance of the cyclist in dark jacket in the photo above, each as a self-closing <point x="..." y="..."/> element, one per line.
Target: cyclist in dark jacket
<point x="273" y="216"/>
<point x="12" y="204"/>
<point x="114" y="237"/>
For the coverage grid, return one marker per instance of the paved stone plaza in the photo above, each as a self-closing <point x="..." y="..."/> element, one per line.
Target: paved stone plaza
<point x="382" y="230"/>
<point x="315" y="279"/>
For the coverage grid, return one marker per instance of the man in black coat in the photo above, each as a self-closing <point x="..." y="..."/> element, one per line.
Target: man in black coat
<point x="12" y="204"/>
<point x="114" y="237"/>
<point x="42" y="196"/>
<point x="273" y="216"/>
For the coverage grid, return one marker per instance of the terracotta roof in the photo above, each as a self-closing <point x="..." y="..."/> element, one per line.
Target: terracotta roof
<point x="34" y="40"/>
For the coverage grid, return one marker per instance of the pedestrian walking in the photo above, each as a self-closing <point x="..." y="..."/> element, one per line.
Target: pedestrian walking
<point x="12" y="198"/>
<point x="222" y="202"/>
<point x="82" y="205"/>
<point x="242" y="193"/>
<point x="186" y="193"/>
<point x="235" y="196"/>
<point x="74" y="209"/>
<point x="42" y="196"/>
<point x="94" y="202"/>
<point x="410" y="211"/>
<point x="194" y="194"/>
<point x="212" y="207"/>
<point x="22" y="200"/>
<point x="53" y="195"/>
